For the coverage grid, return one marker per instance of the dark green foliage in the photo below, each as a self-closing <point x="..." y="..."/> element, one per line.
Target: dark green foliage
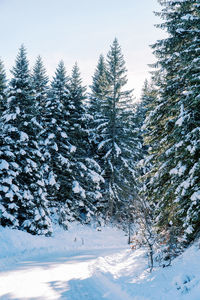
<point x="85" y="173"/>
<point x="115" y="136"/>
<point x="39" y="83"/>
<point x="3" y="87"/>
<point x="72" y="171"/>
<point x="174" y="122"/>
<point x="55" y="140"/>
<point x="23" y="194"/>
<point x="100" y="82"/>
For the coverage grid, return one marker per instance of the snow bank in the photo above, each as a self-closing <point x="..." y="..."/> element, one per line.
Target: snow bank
<point x="129" y="269"/>
<point x="113" y="265"/>
<point x="16" y="245"/>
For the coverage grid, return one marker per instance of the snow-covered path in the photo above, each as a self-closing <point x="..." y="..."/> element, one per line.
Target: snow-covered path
<point x="85" y="263"/>
<point x="72" y="276"/>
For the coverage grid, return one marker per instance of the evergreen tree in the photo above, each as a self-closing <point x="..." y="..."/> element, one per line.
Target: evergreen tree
<point x="99" y="90"/>
<point x="71" y="170"/>
<point x="99" y="86"/>
<point x="23" y="194"/>
<point x="174" y="126"/>
<point x="118" y="143"/>
<point x="55" y="142"/>
<point x="39" y="83"/>
<point x="97" y="118"/>
<point x="86" y="176"/>
<point x="149" y="93"/>
<point x="3" y="87"/>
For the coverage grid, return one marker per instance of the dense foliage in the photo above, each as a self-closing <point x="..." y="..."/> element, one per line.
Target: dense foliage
<point x="172" y="128"/>
<point x="65" y="156"/>
<point x="100" y="157"/>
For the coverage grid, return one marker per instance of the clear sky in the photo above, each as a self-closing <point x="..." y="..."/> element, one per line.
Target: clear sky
<point x="80" y="30"/>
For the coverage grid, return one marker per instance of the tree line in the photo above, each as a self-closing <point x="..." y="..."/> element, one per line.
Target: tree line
<point x="100" y="157"/>
<point x="64" y="154"/>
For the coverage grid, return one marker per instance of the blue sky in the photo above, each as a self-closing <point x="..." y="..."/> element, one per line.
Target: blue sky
<point x="80" y="30"/>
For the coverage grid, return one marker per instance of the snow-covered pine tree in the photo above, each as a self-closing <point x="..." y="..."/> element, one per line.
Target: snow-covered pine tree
<point x="39" y="83"/>
<point x="55" y="144"/>
<point x="174" y="125"/>
<point x="3" y="87"/>
<point x="117" y="141"/>
<point x="73" y="176"/>
<point x="145" y="106"/>
<point x="149" y="93"/>
<point x="129" y="139"/>
<point x="86" y="179"/>
<point x="23" y="194"/>
<point x="144" y="207"/>
<point x="99" y="89"/>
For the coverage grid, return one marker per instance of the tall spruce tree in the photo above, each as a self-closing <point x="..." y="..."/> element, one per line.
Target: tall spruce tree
<point x="86" y="178"/>
<point x="39" y="83"/>
<point x="3" y="87"/>
<point x="99" y="88"/>
<point x="55" y="143"/>
<point x="117" y="141"/>
<point x="71" y="170"/>
<point x="23" y="194"/>
<point x="149" y="93"/>
<point x="97" y="119"/>
<point x="174" y="125"/>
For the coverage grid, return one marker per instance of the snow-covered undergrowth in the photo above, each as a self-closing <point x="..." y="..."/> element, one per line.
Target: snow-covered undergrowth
<point x="180" y="281"/>
<point x="95" y="264"/>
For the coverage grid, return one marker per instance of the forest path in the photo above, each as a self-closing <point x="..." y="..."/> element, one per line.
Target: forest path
<point x="72" y="276"/>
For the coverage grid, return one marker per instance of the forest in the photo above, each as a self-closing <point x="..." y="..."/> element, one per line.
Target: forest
<point x="96" y="155"/>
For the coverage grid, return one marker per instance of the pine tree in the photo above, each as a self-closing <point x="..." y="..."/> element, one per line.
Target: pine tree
<point x="174" y="125"/>
<point x="86" y="176"/>
<point x="55" y="143"/>
<point x="3" y="87"/>
<point x="23" y="193"/>
<point x="118" y="144"/>
<point x="149" y="93"/>
<point x="39" y="83"/>
<point x="99" y="89"/>
<point x="74" y="174"/>
<point x="99" y="86"/>
<point x="97" y="118"/>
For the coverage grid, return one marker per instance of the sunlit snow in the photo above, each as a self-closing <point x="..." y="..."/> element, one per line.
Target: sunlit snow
<point x="87" y="264"/>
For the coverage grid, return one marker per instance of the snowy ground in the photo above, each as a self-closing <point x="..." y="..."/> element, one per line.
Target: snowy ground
<point x="84" y="263"/>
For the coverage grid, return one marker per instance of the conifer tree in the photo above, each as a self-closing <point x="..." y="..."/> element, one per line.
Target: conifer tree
<point x="97" y="118"/>
<point x="118" y="142"/>
<point x="149" y="93"/>
<point x="99" y="90"/>
<point x="99" y="86"/>
<point x="55" y="141"/>
<point x="174" y="125"/>
<point x="86" y="176"/>
<point x="3" y="87"/>
<point x="39" y="83"/>
<point x="23" y="194"/>
<point x="71" y="170"/>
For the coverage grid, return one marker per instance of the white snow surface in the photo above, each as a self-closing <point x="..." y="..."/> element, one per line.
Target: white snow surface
<point x="23" y="136"/>
<point x="72" y="149"/>
<point x="117" y="149"/>
<point x="77" y="189"/>
<point x="85" y="263"/>
<point x="4" y="165"/>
